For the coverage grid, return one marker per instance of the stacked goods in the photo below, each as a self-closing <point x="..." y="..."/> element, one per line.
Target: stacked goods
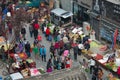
<point x="26" y="72"/>
<point x="23" y="56"/>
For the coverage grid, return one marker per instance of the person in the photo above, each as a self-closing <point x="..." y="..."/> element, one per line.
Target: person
<point x="35" y="50"/>
<point x="47" y="32"/>
<point x="17" y="50"/>
<point x="75" y="49"/>
<point x="87" y="45"/>
<point x="57" y="46"/>
<point x="44" y="51"/>
<point x="85" y="39"/>
<point x="27" y="49"/>
<point x="85" y="64"/>
<point x="43" y="25"/>
<point x="2" y="51"/>
<point x="54" y="31"/>
<point x="79" y="39"/>
<point x="58" y="37"/>
<point x="40" y="50"/>
<point x="36" y="42"/>
<point x="111" y="77"/>
<point x="49" y="66"/>
<point x="35" y="33"/>
<point x="65" y="39"/>
<point x="100" y="74"/>
<point x="52" y="50"/>
<point x="118" y="71"/>
<point x="21" y="46"/>
<point x="10" y="27"/>
<point x="55" y="62"/>
<point x="23" y="32"/>
<point x="31" y="30"/>
<point x="35" y="29"/>
<point x="92" y="65"/>
<point x="95" y="72"/>
<point x="67" y="62"/>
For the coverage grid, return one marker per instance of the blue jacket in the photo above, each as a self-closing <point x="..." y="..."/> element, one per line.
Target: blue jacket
<point x="44" y="51"/>
<point x="40" y="50"/>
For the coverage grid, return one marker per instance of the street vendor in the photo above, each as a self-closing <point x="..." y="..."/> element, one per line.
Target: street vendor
<point x="2" y="52"/>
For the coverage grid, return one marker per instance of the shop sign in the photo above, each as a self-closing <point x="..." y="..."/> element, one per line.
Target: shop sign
<point x="85" y="3"/>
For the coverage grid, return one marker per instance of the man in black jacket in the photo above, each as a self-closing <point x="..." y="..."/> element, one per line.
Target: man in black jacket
<point x="23" y="32"/>
<point x="27" y="49"/>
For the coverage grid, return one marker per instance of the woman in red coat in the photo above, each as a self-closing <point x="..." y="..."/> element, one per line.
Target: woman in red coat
<point x="47" y="32"/>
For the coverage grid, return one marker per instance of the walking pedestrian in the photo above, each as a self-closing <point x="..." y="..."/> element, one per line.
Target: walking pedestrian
<point x="23" y="32"/>
<point x="31" y="30"/>
<point x="75" y="49"/>
<point x="27" y="49"/>
<point x="92" y="65"/>
<point x="47" y="32"/>
<point x="44" y="51"/>
<point x="52" y="51"/>
<point x="36" y="27"/>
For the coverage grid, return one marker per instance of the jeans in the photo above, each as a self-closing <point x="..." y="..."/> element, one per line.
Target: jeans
<point x="31" y="33"/>
<point x="44" y="58"/>
<point x="91" y="69"/>
<point x="28" y="53"/>
<point x="75" y="56"/>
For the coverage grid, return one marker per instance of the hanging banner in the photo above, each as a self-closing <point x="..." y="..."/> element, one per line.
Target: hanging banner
<point x="115" y="38"/>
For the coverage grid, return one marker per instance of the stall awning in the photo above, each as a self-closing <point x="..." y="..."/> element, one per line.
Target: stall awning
<point x="67" y="14"/>
<point x="61" y="13"/>
<point x="58" y="11"/>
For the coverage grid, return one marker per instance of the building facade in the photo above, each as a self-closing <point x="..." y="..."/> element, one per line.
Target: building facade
<point x="103" y="16"/>
<point x="66" y="4"/>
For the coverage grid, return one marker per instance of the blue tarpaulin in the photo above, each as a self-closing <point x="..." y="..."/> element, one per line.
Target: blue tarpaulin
<point x="35" y="3"/>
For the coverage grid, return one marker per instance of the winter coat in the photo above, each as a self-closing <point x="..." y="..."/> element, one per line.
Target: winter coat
<point x="23" y="31"/>
<point x="47" y="31"/>
<point x="36" y="26"/>
<point x="44" y="51"/>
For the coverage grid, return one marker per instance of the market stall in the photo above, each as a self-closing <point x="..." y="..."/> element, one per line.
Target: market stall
<point x="24" y="65"/>
<point x="108" y="61"/>
<point x="61" y="17"/>
<point x="4" y="43"/>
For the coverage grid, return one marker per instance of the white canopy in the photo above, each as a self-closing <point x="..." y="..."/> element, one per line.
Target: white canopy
<point x="62" y="13"/>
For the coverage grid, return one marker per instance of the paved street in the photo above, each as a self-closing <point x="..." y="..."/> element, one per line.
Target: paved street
<point x="46" y="43"/>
